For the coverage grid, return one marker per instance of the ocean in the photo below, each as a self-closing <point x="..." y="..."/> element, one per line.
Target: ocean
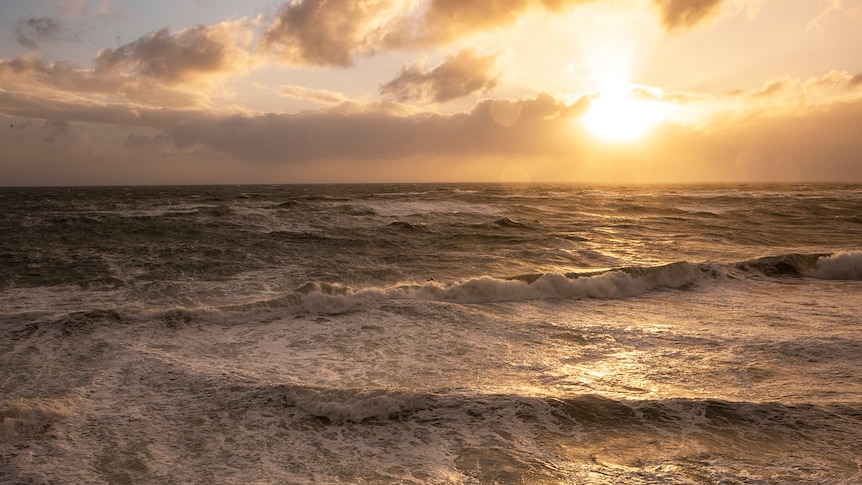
<point x="431" y="333"/>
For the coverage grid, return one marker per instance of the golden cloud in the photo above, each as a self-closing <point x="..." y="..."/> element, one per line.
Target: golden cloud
<point x="327" y="32"/>
<point x="334" y="32"/>
<point x="191" y="55"/>
<point x="684" y="14"/>
<point x="457" y="76"/>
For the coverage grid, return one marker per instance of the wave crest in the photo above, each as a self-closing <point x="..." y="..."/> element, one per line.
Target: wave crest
<point x="333" y="298"/>
<point x="839" y="266"/>
<point x="627" y="282"/>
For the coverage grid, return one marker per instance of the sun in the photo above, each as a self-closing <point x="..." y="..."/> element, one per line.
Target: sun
<point x="620" y="115"/>
<point x="619" y="110"/>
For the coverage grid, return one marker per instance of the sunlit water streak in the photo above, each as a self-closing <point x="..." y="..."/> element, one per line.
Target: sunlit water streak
<point x="431" y="334"/>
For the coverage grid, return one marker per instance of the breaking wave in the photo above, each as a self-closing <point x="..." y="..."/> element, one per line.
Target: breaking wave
<point x="334" y="298"/>
<point x="841" y="266"/>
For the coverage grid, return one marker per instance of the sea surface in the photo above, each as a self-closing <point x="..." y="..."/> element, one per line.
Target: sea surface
<point x="443" y="334"/>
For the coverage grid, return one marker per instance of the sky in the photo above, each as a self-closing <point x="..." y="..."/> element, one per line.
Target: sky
<point x="123" y="92"/>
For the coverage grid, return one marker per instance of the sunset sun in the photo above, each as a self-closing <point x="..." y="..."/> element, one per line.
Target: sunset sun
<point x="620" y="116"/>
<point x="619" y="111"/>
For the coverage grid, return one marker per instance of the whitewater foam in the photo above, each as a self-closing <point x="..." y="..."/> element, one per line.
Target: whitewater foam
<point x="840" y="266"/>
<point x="336" y="298"/>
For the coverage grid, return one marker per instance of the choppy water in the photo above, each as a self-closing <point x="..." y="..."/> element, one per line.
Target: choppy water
<point x="431" y="334"/>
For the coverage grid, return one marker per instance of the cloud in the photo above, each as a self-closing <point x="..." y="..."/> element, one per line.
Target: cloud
<point x="322" y="96"/>
<point x="61" y="129"/>
<point x="34" y="72"/>
<point x="375" y="133"/>
<point x="774" y="88"/>
<point x="334" y="32"/>
<point x="327" y="32"/>
<point x="817" y="143"/>
<point x="32" y="31"/>
<point x="366" y="142"/>
<point x="787" y="94"/>
<point x="191" y="55"/>
<point x="63" y="79"/>
<point x="830" y="9"/>
<point x="162" y="68"/>
<point x="856" y="80"/>
<point x="684" y="14"/>
<point x="445" y="20"/>
<point x="135" y="140"/>
<point x="346" y="131"/>
<point x="457" y="76"/>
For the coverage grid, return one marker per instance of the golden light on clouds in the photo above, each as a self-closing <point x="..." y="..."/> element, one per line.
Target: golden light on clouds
<point x="584" y="90"/>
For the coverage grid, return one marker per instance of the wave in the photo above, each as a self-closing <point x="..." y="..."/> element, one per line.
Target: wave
<point x="593" y="414"/>
<point x="840" y="266"/>
<point x="348" y="405"/>
<point x="506" y="222"/>
<point x="408" y="227"/>
<point x="335" y="298"/>
<point x="825" y="266"/>
<point x="25" y="418"/>
<point x="617" y="283"/>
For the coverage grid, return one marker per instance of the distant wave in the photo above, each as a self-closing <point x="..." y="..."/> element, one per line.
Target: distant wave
<point x="506" y="222"/>
<point x="408" y="227"/>
<point x="334" y="298"/>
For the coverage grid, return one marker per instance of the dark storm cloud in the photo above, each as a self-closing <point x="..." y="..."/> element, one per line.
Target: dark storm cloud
<point x="32" y="31"/>
<point x="459" y="75"/>
<point x="684" y="14"/>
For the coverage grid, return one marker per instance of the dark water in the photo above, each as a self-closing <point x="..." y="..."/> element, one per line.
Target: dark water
<point x="431" y="334"/>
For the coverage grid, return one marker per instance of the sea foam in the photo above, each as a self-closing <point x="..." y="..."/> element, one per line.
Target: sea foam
<point x="624" y="283"/>
<point x="839" y="266"/>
